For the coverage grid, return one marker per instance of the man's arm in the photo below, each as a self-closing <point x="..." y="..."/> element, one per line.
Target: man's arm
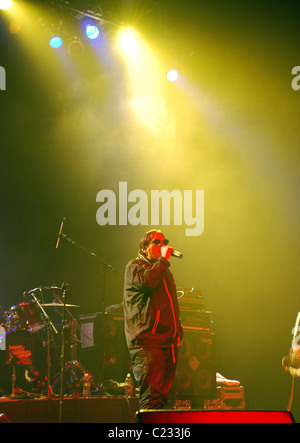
<point x="148" y="277"/>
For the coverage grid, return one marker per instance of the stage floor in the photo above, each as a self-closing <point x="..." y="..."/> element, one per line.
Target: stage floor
<point x="116" y="409"/>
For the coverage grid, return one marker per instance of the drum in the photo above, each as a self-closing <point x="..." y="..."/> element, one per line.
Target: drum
<point x="25" y="316"/>
<point x="27" y="354"/>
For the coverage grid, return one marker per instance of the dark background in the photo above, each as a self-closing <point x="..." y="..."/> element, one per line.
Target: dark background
<point x="232" y="130"/>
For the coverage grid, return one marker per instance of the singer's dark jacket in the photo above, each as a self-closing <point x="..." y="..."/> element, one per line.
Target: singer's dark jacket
<point x="150" y="304"/>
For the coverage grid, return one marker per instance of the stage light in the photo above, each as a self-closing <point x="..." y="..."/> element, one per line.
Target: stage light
<point x="55" y="42"/>
<point x="92" y="32"/>
<point x="75" y="46"/>
<point x="172" y="75"/>
<point x="5" y="4"/>
<point x="127" y="41"/>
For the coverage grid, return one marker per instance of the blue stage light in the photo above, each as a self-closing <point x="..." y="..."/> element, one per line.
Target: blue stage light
<point x="92" y="31"/>
<point x="56" y="42"/>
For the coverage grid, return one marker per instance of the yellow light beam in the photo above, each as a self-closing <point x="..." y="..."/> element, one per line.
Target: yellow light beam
<point x="147" y="99"/>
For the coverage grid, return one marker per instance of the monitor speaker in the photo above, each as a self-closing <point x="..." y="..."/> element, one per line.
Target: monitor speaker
<point x="238" y="416"/>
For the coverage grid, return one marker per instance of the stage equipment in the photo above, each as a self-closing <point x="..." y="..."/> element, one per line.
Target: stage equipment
<point x="59" y="305"/>
<point x="26" y="355"/>
<point x="104" y="266"/>
<point x="56" y="42"/>
<point x="195" y="378"/>
<point x="50" y="328"/>
<point x="5" y="4"/>
<point x="72" y="366"/>
<point x="172" y="75"/>
<point x="108" y="409"/>
<point x="239" y="416"/>
<point x="127" y="41"/>
<point x="60" y="232"/>
<point x="106" y="352"/>
<point x="92" y="31"/>
<point x="227" y="398"/>
<point x="30" y="316"/>
<point x="75" y="46"/>
<point x="62" y="355"/>
<point x="196" y="320"/>
<point x="26" y="316"/>
<point x="196" y="368"/>
<point x="190" y="298"/>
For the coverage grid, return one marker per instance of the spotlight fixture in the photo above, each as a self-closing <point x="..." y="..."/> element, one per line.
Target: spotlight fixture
<point x="127" y="41"/>
<point x="75" y="46"/>
<point x="92" y="31"/>
<point x="5" y="4"/>
<point x="172" y="75"/>
<point x="56" y="42"/>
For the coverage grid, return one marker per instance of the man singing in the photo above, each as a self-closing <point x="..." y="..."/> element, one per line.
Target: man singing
<point x="152" y="326"/>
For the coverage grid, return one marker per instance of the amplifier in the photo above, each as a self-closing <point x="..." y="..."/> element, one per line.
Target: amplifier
<point x="190" y="298"/>
<point x="196" y="368"/>
<point x="229" y="397"/>
<point x="103" y="346"/>
<point x="196" y="320"/>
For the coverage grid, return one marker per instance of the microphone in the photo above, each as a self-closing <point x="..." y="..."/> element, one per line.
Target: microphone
<point x="60" y="232"/>
<point x="176" y="254"/>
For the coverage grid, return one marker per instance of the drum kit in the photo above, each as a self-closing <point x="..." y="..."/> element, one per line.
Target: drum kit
<point x="30" y="328"/>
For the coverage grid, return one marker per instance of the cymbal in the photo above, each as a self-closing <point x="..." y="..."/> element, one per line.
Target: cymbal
<point x="58" y="305"/>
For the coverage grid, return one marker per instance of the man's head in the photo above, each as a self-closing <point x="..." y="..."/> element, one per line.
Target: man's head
<point x="151" y="243"/>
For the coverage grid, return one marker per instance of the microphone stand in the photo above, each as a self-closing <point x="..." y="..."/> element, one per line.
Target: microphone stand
<point x="63" y="357"/>
<point x="104" y="267"/>
<point x="103" y="263"/>
<point x="49" y="326"/>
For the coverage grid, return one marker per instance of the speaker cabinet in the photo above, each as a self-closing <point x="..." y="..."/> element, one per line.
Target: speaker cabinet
<point x="103" y="349"/>
<point x="171" y="416"/>
<point x="196" y="368"/>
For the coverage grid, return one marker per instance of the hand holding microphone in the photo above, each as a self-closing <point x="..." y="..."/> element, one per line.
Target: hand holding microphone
<point x="167" y="252"/>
